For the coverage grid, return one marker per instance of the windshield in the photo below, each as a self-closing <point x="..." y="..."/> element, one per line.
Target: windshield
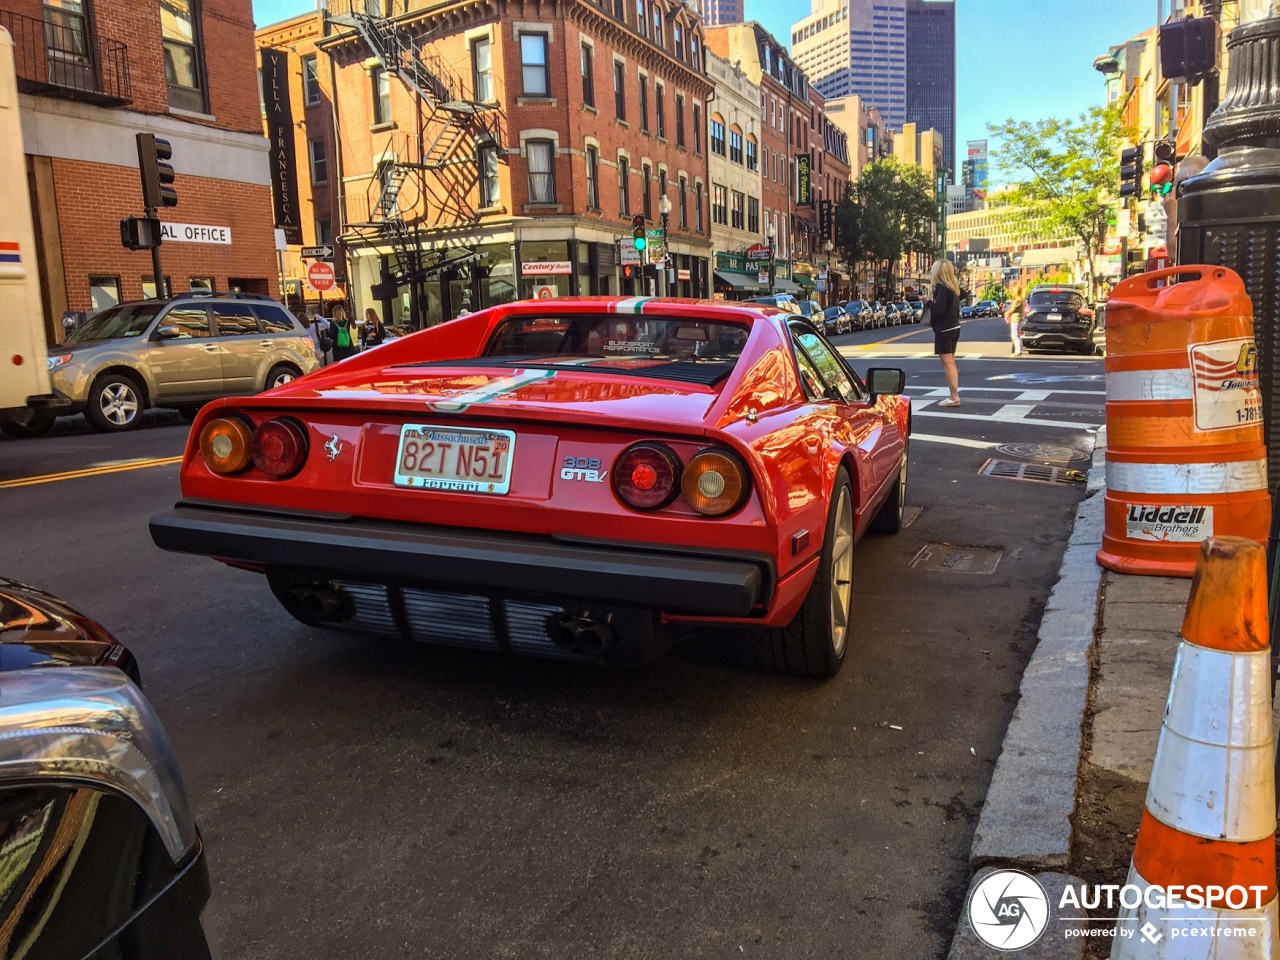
<point x="613" y="341"/>
<point x="126" y="320"/>
<point x="1060" y="298"/>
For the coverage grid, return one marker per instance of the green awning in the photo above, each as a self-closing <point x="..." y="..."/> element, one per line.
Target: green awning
<point x="804" y="280"/>
<point x="746" y="282"/>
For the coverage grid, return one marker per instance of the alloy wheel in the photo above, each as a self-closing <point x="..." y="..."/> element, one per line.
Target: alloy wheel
<point x="841" y="571"/>
<point x="119" y="403"/>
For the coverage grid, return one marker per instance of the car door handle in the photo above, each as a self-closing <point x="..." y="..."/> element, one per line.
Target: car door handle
<point x="264" y="343"/>
<point x="211" y="348"/>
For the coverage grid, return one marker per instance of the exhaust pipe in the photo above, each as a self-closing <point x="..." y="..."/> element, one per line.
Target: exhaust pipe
<point x="316" y="604"/>
<point x="588" y="637"/>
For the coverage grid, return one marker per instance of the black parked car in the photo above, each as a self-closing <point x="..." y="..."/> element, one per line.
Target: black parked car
<point x="892" y="315"/>
<point x="102" y="858"/>
<point x="860" y="314"/>
<point x="1058" y="317"/>
<point x="835" y="320"/>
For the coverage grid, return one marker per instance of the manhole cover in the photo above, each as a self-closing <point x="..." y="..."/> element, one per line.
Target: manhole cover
<point x="1042" y="451"/>
<point x="1036" y="472"/>
<point x="951" y="558"/>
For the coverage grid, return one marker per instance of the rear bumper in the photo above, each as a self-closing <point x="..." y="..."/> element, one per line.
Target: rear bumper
<point x="1033" y="336"/>
<point x="671" y="580"/>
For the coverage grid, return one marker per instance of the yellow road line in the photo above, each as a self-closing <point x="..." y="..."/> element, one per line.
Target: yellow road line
<point x="90" y="472"/>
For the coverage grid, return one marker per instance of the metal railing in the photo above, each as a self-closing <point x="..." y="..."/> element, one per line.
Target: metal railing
<point x="63" y="56"/>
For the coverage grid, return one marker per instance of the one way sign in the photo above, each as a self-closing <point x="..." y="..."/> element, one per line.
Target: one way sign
<point x="318" y="253"/>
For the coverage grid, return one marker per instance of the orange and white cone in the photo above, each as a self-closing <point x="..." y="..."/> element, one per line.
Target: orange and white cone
<point x="1208" y="830"/>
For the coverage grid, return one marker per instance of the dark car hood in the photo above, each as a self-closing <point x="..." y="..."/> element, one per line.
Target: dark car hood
<point x="38" y="629"/>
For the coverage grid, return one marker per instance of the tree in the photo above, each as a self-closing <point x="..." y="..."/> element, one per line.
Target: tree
<point x="994" y="290"/>
<point x="850" y="245"/>
<point x="1063" y="174"/>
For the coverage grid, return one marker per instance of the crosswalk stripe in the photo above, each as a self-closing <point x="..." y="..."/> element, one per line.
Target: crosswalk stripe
<point x="1058" y="424"/>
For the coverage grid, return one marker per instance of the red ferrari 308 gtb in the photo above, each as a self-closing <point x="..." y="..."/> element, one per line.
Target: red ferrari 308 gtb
<point x="584" y="478"/>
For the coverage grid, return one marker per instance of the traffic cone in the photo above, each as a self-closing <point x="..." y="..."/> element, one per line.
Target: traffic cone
<point x="1210" y="819"/>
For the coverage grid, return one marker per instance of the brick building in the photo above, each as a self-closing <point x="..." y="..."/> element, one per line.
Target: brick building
<point x="90" y="77"/>
<point x="486" y="153"/>
<point x="297" y="118"/>
<point x="733" y="139"/>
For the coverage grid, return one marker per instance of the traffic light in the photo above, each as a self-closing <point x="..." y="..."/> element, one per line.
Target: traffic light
<point x="157" y="174"/>
<point x="1131" y="159"/>
<point x="637" y="231"/>
<point x="1161" y="176"/>
<point x="139" y="233"/>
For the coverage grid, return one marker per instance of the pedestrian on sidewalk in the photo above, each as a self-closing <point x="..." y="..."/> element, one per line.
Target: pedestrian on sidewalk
<point x="944" y="316"/>
<point x="1013" y="317"/>
<point x="344" y="335"/>
<point x="374" y="334"/>
<point x="321" y="338"/>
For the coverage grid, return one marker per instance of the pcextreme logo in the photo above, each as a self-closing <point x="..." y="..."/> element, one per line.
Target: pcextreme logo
<point x="1009" y="910"/>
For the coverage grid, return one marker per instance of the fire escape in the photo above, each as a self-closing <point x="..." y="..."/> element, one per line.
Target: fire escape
<point x="428" y="178"/>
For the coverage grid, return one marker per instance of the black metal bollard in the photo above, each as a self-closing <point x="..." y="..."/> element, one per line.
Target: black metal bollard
<point x="1230" y="214"/>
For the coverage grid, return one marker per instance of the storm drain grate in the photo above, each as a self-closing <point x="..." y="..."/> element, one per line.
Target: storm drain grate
<point x="1036" y="472"/>
<point x="956" y="558"/>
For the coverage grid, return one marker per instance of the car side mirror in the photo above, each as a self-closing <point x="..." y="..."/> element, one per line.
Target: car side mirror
<point x="168" y="332"/>
<point x="886" y="380"/>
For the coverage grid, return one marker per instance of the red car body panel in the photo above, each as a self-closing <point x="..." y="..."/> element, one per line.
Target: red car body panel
<point x="791" y="444"/>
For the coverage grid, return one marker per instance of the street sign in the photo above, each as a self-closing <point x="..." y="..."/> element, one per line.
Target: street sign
<point x="320" y="276"/>
<point x="654" y="233"/>
<point x="821" y="286"/>
<point x="318" y="253"/>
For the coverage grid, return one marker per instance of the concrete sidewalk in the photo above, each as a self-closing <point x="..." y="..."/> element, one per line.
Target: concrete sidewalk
<point x="1067" y="792"/>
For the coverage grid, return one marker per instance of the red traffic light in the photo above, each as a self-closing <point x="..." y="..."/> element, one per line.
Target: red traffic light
<point x="1160" y="174"/>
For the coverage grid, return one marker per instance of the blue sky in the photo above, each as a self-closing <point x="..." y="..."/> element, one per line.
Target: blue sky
<point x="1026" y="59"/>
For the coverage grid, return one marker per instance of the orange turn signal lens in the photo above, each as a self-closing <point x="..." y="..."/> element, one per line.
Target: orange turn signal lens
<point x="714" y="483"/>
<point x="226" y="445"/>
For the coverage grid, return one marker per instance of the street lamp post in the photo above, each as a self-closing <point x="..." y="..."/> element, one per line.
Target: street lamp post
<point x="664" y="211"/>
<point x="828" y="247"/>
<point x="768" y="235"/>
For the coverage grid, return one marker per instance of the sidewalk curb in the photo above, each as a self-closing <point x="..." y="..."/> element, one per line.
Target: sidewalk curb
<point x="1025" y="822"/>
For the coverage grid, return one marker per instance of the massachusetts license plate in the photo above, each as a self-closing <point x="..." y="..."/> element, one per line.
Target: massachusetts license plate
<point x="452" y="458"/>
<point x="1055" y="316"/>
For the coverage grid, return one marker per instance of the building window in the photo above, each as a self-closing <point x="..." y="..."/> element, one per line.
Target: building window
<point x="588" y="76"/>
<point x="104" y="292"/>
<point x="695" y="58"/>
<point x="620" y="10"/>
<point x="482" y="69"/>
<point x="319" y="162"/>
<point x="183" y="56"/>
<point x="753" y="215"/>
<point x="684" y="203"/>
<point x="677" y="41"/>
<point x="66" y="33"/>
<point x="697" y="128"/>
<point x="753" y="155"/>
<point x="717" y="135"/>
<point x="736" y="218"/>
<point x="697" y="210"/>
<point x="659" y="109"/>
<point x="490" y="194"/>
<point x="389" y="190"/>
<point x="719" y="204"/>
<point x="679" y="120"/>
<point x="534" y="71"/>
<point x="381" y="96"/>
<point x="624" y="194"/>
<point x="646" y="191"/>
<point x="593" y="178"/>
<point x="619" y="89"/>
<point x="642" y="18"/>
<point x="735" y="146"/>
<point x="644" y="104"/>
<point x="149" y="293"/>
<point x="662" y="183"/>
<point x="657" y="24"/>
<point x="540" y="159"/>
<point x="310" y="81"/>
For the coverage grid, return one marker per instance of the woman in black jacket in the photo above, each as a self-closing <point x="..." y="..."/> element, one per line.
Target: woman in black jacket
<point x="944" y="315"/>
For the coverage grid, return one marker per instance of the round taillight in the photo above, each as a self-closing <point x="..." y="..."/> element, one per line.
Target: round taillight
<point x="714" y="483"/>
<point x="644" y="476"/>
<point x="279" y="448"/>
<point x="226" y="445"/>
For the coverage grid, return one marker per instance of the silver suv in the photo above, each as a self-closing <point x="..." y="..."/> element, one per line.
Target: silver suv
<point x="176" y="353"/>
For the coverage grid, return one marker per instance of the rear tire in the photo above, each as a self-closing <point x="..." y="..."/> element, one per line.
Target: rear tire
<point x="28" y="423"/>
<point x="281" y="374"/>
<point x="889" y="518"/>
<point x="115" y="403"/>
<point x="813" y="644"/>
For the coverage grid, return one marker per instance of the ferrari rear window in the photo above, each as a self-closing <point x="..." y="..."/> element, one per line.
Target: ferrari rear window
<point x="603" y="340"/>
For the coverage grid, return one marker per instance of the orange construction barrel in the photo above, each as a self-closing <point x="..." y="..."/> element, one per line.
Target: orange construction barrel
<point x="1185" y="453"/>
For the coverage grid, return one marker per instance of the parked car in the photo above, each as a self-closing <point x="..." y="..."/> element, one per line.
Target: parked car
<point x="809" y="309"/>
<point x="1057" y="316"/>
<point x="836" y="320"/>
<point x="708" y="408"/>
<point x="966" y="311"/>
<point x="783" y="301"/>
<point x="860" y="314"/>
<point x="102" y="854"/>
<point x="893" y="316"/>
<point x="880" y="318"/>
<point x="986" y="308"/>
<point x="180" y="352"/>
<point x="914" y="307"/>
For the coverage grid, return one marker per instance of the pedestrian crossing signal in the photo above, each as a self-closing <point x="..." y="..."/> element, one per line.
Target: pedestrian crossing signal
<point x="637" y="232"/>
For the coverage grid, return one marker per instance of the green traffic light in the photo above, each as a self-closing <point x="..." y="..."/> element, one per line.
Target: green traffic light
<point x="640" y="243"/>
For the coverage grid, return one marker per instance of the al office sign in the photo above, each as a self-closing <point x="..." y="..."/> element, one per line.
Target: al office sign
<point x="284" y="161"/>
<point x="195" y="233"/>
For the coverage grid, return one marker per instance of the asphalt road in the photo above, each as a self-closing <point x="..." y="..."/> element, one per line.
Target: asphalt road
<point x="363" y="798"/>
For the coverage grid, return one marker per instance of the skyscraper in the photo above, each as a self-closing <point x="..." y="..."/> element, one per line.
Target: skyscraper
<point x="931" y="71"/>
<point x="857" y="47"/>
<point x="716" y="13"/>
